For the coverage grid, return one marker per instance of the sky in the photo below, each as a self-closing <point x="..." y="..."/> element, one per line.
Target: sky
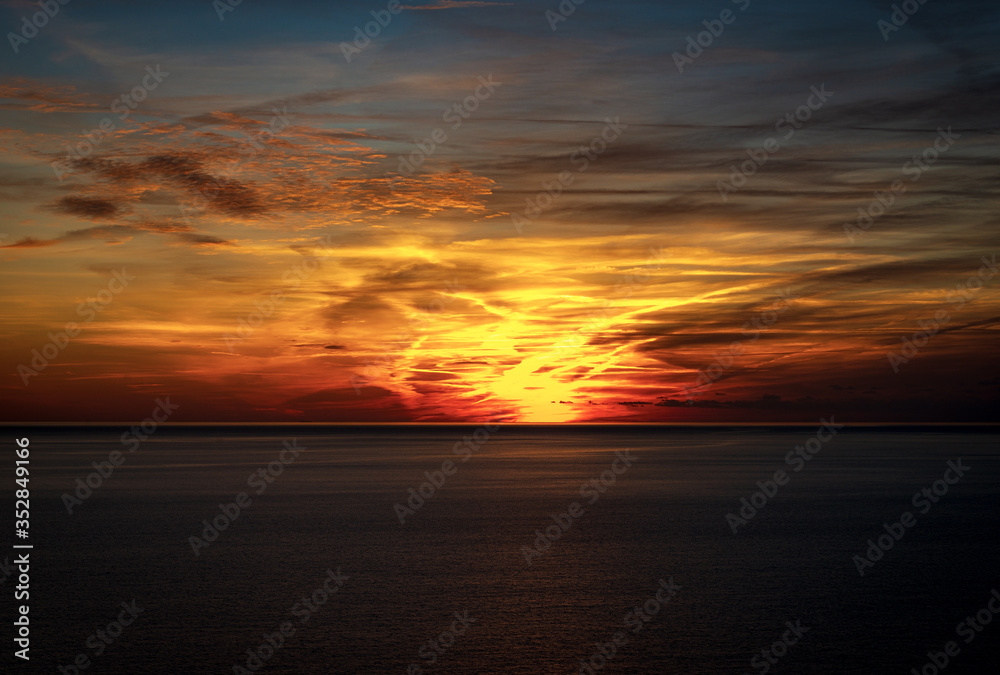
<point x="712" y="212"/>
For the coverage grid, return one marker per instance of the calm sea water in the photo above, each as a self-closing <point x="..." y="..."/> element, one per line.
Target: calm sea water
<point x="663" y="518"/>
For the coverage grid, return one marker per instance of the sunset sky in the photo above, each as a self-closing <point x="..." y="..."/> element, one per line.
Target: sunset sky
<point x="277" y="266"/>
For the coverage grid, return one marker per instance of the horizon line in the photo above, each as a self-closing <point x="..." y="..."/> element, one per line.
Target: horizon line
<point x="507" y="424"/>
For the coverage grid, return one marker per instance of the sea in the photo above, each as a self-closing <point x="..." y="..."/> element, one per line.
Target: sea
<point x="466" y="549"/>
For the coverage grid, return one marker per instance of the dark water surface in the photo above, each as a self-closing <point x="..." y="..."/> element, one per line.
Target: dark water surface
<point x="664" y="518"/>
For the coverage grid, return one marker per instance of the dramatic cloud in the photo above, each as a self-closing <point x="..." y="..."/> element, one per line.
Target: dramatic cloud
<point x="92" y="209"/>
<point x="478" y="215"/>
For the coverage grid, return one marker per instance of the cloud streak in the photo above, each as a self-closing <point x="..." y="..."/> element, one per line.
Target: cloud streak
<point x="414" y="298"/>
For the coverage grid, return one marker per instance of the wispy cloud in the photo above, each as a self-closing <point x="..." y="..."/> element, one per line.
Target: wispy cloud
<point x="425" y="292"/>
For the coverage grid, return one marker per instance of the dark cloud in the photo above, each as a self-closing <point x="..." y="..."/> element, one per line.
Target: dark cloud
<point x="202" y="239"/>
<point x="92" y="209"/>
<point x="114" y="234"/>
<point x="221" y="194"/>
<point x="30" y="242"/>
